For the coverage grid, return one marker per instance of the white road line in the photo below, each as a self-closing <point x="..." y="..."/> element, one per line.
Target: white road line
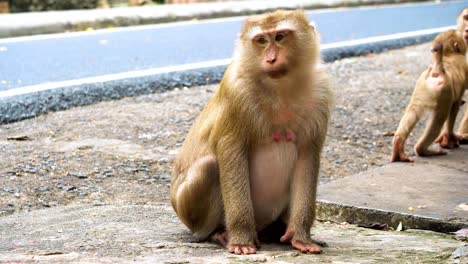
<point x="112" y="77"/>
<point x="192" y="22"/>
<point x="386" y="37"/>
<point x="198" y="65"/>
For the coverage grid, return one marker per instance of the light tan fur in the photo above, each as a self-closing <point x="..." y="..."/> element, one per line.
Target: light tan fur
<point x="252" y="156"/>
<point x="462" y="22"/>
<point x="439" y="90"/>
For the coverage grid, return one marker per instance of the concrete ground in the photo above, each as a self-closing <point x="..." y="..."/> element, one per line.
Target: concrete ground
<point x="153" y="234"/>
<point x="90" y="184"/>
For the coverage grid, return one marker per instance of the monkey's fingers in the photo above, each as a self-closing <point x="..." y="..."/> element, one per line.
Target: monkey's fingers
<point x="287" y="237"/>
<point x="242" y="249"/>
<point x="306" y="247"/>
<point x="220" y="237"/>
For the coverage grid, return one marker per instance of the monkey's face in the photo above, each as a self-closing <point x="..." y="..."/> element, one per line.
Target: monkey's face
<point x="278" y="43"/>
<point x="272" y="45"/>
<point x="463" y="24"/>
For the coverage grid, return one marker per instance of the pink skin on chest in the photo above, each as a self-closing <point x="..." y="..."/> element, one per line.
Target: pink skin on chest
<point x="288" y="137"/>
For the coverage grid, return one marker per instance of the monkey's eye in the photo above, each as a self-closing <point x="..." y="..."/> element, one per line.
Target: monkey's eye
<point x="261" y="40"/>
<point x="280" y="36"/>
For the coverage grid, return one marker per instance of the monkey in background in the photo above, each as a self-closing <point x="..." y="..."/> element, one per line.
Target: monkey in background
<point x="252" y="157"/>
<point x="462" y="22"/>
<point x="439" y="89"/>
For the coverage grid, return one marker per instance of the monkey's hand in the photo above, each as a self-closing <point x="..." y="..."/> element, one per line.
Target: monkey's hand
<point x="449" y="141"/>
<point x="242" y="249"/>
<point x="398" y="153"/>
<point x="302" y="243"/>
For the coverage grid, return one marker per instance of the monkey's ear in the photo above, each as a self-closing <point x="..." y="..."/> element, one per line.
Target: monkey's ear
<point x="312" y="25"/>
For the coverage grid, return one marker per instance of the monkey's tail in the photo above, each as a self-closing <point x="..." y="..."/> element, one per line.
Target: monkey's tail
<point x="437" y="64"/>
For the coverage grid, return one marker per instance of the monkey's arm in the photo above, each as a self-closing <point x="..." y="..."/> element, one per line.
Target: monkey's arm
<point x="431" y="132"/>
<point x="235" y="188"/>
<point x="407" y="123"/>
<point x="463" y="128"/>
<point x="303" y="197"/>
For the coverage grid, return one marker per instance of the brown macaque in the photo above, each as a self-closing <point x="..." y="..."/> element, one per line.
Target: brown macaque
<point x="462" y="22"/>
<point x="439" y="90"/>
<point x="252" y="157"/>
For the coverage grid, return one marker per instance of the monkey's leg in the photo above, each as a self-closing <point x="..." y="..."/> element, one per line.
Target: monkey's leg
<point x="407" y="123"/>
<point x="448" y="139"/>
<point x="236" y="193"/>
<point x="463" y="129"/>
<point x="431" y="133"/>
<point x="302" y="205"/>
<point x="198" y="199"/>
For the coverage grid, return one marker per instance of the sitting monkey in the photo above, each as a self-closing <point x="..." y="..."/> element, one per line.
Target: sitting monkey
<point x="252" y="157"/>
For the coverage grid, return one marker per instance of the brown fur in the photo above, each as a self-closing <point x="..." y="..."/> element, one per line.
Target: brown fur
<point x="247" y="108"/>
<point x="462" y="22"/>
<point x="439" y="89"/>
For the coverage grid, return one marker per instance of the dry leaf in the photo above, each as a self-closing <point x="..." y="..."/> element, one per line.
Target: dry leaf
<point x="400" y="227"/>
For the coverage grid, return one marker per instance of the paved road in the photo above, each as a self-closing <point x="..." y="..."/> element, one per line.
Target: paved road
<point x="60" y="57"/>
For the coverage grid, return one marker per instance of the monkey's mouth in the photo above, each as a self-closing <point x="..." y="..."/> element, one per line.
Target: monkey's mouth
<point x="277" y="72"/>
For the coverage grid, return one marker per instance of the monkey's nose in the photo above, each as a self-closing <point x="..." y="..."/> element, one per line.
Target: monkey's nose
<point x="466" y="29"/>
<point x="271" y="60"/>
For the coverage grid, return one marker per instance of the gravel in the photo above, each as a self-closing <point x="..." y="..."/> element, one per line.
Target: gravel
<point x="120" y="151"/>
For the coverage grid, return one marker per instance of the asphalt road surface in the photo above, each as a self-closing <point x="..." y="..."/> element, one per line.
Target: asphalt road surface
<point x="59" y="57"/>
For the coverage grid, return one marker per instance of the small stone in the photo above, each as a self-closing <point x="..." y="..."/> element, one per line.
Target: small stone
<point x="66" y="187"/>
<point x="31" y="170"/>
<point x="43" y="189"/>
<point x="78" y="175"/>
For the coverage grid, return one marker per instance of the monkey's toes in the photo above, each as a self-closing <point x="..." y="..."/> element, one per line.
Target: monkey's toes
<point x="306" y="247"/>
<point x="242" y="249"/>
<point x="220" y="237"/>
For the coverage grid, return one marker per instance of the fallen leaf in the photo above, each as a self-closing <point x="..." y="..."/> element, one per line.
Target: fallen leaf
<point x="400" y="227"/>
<point x="389" y="134"/>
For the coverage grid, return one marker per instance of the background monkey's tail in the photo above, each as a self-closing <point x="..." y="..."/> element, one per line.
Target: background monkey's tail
<point x="437" y="65"/>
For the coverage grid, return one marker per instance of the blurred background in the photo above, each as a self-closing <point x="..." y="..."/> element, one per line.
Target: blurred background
<point x="15" y="6"/>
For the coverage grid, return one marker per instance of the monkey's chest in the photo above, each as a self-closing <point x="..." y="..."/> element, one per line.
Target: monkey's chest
<point x="271" y="165"/>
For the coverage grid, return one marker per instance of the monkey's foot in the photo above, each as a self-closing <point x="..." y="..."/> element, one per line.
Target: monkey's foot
<point x="306" y="247"/>
<point x="242" y="249"/>
<point x="463" y="140"/>
<point x="430" y="152"/>
<point x="398" y="153"/>
<point x="220" y="237"/>
<point x="449" y="141"/>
